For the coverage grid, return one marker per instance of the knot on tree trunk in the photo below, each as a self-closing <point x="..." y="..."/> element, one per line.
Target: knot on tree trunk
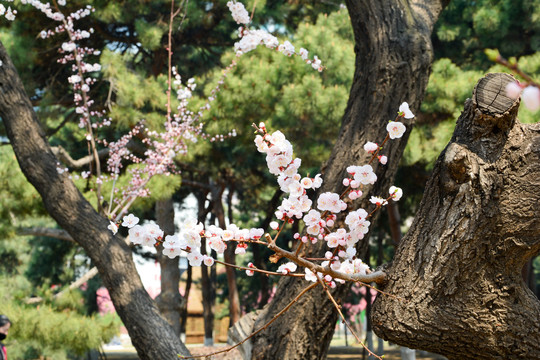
<point x="456" y="276"/>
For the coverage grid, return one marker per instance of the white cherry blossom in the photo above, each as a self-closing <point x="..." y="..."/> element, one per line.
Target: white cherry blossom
<point x="130" y="221"/>
<point x="395" y="129"/>
<point x="404" y="109"/>
<point x="395" y="192"/>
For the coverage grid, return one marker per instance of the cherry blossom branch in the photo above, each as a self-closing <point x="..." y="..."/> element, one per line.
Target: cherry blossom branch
<point x="529" y="91"/>
<point x="169" y="53"/>
<point x="262" y="328"/>
<point x="375" y="153"/>
<point x="77" y="283"/>
<point x="86" y="114"/>
<point x="59" y="234"/>
<point x="376" y="276"/>
<point x="512" y="65"/>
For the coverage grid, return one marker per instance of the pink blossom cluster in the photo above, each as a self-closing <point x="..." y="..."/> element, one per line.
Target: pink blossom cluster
<point x="319" y="222"/>
<point x="46" y="8"/>
<point x="119" y="151"/>
<point x="182" y="128"/>
<point x="530" y="94"/>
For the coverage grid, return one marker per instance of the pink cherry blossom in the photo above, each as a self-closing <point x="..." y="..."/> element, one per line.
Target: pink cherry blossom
<point x="136" y="234"/>
<point x="531" y="97"/>
<point x="513" y="89"/>
<point x="172" y="252"/>
<point x="195" y="258"/>
<point x="365" y="175"/>
<point x="287" y="268"/>
<point x="250" y="272"/>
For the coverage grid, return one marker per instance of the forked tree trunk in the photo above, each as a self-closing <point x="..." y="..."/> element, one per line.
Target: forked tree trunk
<point x="456" y="279"/>
<point x="393" y="61"/>
<point x="150" y="333"/>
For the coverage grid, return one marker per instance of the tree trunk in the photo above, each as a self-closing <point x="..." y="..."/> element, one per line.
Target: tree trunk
<point x="73" y="213"/>
<point x="258" y="259"/>
<point x="456" y="277"/>
<point x="208" y="287"/>
<point x="229" y="257"/>
<point x="169" y="300"/>
<point x="393" y="61"/>
<point x="184" y="309"/>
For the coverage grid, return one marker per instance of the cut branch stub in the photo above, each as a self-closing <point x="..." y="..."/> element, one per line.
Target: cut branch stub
<point x="457" y="273"/>
<point x="490" y="94"/>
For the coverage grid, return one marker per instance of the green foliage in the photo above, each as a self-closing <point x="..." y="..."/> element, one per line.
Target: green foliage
<point x="448" y="88"/>
<point x="465" y="28"/>
<point x="18" y="198"/>
<point x="47" y="332"/>
<point x="136" y="95"/>
<point x="47" y="262"/>
<point x="54" y="328"/>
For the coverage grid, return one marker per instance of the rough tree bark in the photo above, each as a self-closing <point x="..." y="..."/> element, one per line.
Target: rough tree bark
<point x="110" y="254"/>
<point x="456" y="276"/>
<point x="393" y="61"/>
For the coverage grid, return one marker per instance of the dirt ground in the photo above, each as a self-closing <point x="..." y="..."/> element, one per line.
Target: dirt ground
<point x="335" y="353"/>
<point x="350" y="353"/>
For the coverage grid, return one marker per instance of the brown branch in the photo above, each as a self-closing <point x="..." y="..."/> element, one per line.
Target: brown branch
<point x="60" y="234"/>
<point x="65" y="158"/>
<point x="77" y="283"/>
<point x="266" y="272"/>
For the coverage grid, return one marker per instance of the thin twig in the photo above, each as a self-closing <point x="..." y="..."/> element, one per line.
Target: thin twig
<point x="258" y="330"/>
<point x="338" y="308"/>
<point x="257" y="270"/>
<point x="380" y="291"/>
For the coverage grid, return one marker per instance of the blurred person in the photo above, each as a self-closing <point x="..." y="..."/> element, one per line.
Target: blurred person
<point x="5" y="324"/>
